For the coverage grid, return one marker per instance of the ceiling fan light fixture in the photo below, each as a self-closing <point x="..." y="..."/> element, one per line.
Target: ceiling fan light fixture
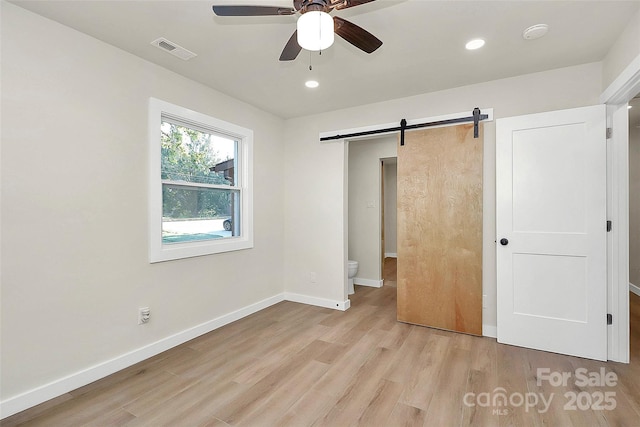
<point x="315" y="30"/>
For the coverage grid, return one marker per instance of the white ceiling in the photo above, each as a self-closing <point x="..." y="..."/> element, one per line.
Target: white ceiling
<point x="423" y="48"/>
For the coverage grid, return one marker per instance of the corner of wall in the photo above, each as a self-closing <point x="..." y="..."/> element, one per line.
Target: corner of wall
<point x="625" y="49"/>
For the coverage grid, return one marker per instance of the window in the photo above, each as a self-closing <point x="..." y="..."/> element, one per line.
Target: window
<point x="200" y="199"/>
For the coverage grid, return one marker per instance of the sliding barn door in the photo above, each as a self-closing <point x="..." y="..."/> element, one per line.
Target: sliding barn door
<point x="440" y="229"/>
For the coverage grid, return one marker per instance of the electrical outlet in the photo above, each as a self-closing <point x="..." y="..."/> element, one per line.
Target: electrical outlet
<point x="144" y="314"/>
<point x="313" y="278"/>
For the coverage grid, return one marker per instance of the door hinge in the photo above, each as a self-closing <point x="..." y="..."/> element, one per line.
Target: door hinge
<point x="609" y="133"/>
<point x="609" y="319"/>
<point x="609" y="226"/>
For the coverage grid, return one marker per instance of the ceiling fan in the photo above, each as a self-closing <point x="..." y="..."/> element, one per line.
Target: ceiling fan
<point x="357" y="36"/>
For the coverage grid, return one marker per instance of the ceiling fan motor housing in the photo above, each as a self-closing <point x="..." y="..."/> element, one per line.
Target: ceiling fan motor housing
<point x="314" y="5"/>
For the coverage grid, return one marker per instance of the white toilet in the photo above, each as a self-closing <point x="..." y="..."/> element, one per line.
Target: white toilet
<point x="353" y="270"/>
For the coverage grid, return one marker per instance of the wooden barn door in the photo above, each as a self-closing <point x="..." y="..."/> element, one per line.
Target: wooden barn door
<point x="440" y="229"/>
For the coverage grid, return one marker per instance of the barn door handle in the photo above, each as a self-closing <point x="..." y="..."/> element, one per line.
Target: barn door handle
<point x="504" y="242"/>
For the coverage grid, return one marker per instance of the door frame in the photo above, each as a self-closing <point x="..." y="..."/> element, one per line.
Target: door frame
<point x="616" y="97"/>
<point x="382" y="228"/>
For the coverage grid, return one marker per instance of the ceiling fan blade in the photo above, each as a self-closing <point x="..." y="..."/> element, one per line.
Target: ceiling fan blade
<point x="252" y="10"/>
<point x="357" y="36"/>
<point x="344" y="4"/>
<point x="291" y="49"/>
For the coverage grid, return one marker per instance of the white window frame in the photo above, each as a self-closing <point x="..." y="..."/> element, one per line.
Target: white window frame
<point x="159" y="251"/>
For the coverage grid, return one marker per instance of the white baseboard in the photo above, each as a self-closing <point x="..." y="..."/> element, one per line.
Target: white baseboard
<point x="368" y="282"/>
<point x="320" y="302"/>
<point x="635" y="289"/>
<point x="390" y="255"/>
<point x="71" y="382"/>
<point x="490" y="331"/>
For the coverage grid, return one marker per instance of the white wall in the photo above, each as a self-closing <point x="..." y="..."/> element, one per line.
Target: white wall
<point x="623" y="52"/>
<point x="315" y="213"/>
<point x="315" y="196"/>
<point x="365" y="183"/>
<point x="74" y="207"/>
<point x="390" y="207"/>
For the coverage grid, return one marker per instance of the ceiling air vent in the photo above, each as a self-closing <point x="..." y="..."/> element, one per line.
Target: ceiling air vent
<point x="173" y="49"/>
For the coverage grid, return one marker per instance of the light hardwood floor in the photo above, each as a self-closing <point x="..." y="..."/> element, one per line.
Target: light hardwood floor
<point x="298" y="365"/>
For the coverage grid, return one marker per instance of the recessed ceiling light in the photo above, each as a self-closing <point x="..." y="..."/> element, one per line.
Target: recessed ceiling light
<point x="311" y="84"/>
<point x="474" y="44"/>
<point x="535" y="31"/>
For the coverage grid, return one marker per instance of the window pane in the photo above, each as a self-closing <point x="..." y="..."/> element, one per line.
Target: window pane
<point x="194" y="213"/>
<point x="196" y="156"/>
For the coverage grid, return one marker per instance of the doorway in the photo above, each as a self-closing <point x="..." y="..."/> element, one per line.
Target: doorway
<point x="366" y="207"/>
<point x="388" y="232"/>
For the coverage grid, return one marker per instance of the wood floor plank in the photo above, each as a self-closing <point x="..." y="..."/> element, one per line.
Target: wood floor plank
<point x="309" y="408"/>
<point x="551" y="413"/>
<point x="420" y="387"/>
<point x="447" y="405"/>
<point x="397" y="335"/>
<point x="408" y="355"/>
<point x="119" y="417"/>
<point x="351" y="328"/>
<point x="474" y="412"/>
<point x="511" y="379"/>
<point x="212" y="366"/>
<point x="483" y="378"/>
<point x="286" y="395"/>
<point x="382" y="403"/>
<point x="88" y="407"/>
<point x="362" y="389"/>
<point x="342" y="371"/>
<point x="274" y="353"/>
<point x="256" y="395"/>
<point x="333" y="352"/>
<point x="407" y="416"/>
<point x="195" y="405"/>
<point x="173" y="386"/>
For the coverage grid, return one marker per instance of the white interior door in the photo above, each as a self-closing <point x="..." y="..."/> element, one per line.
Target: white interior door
<point x="551" y="231"/>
